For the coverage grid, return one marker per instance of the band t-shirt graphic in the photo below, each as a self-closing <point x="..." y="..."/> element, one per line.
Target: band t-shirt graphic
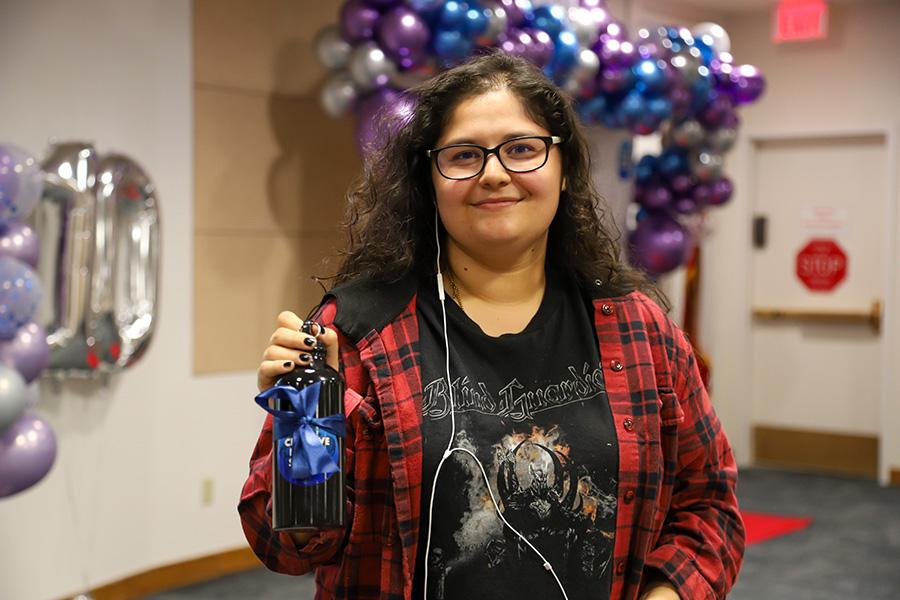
<point x="533" y="408"/>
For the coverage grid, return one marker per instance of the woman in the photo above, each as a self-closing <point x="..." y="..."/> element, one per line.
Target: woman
<point x="540" y="430"/>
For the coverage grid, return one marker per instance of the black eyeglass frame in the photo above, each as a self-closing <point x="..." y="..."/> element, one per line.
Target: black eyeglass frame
<point x="549" y="141"/>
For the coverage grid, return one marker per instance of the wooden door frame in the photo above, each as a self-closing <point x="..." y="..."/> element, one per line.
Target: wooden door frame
<point x="889" y="380"/>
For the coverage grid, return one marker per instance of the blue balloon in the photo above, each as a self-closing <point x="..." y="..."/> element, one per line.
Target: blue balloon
<point x="650" y="75"/>
<point x="476" y="21"/>
<point x="591" y="111"/>
<point x="550" y="18"/>
<point x="672" y="161"/>
<point x="20" y="294"/>
<point x="452" y="45"/>
<point x="453" y="16"/>
<point x="646" y="168"/>
<point x="424" y="6"/>
<point x="706" y="51"/>
<point x="660" y="108"/>
<point x="612" y="117"/>
<point x="565" y="55"/>
<point x="633" y="105"/>
<point x="702" y="90"/>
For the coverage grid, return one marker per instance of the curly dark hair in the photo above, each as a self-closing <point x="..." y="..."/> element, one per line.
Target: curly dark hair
<point x="390" y="213"/>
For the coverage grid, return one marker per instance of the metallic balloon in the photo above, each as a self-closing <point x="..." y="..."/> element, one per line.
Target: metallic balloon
<point x="722" y="189"/>
<point x="339" y="94"/>
<point x="713" y="35"/>
<point x="658" y="243"/>
<point x="687" y="134"/>
<point x="707" y="165"/>
<point x="586" y="23"/>
<point x="99" y="228"/>
<point x="13" y="398"/>
<point x="380" y="116"/>
<point x="20" y="295"/>
<point x="497" y="24"/>
<point x="404" y="36"/>
<point x="124" y="290"/>
<point x="19" y="241"/>
<point x="333" y="50"/>
<point x="582" y="76"/>
<point x="370" y="67"/>
<point x="358" y="21"/>
<point x="28" y="352"/>
<point x="27" y="452"/>
<point x="721" y="139"/>
<point x="20" y="183"/>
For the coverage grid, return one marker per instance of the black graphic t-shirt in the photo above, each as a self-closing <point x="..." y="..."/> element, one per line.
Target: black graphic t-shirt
<point x="533" y="408"/>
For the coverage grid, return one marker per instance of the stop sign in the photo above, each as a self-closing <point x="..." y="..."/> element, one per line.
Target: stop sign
<point x="821" y="265"/>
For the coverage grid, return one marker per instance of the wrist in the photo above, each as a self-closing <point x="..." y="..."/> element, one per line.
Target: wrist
<point x="659" y="590"/>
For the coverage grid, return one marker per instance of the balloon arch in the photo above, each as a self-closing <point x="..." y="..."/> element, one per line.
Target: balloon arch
<point x="679" y="81"/>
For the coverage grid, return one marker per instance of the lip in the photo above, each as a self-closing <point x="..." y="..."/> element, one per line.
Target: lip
<point x="495" y="203"/>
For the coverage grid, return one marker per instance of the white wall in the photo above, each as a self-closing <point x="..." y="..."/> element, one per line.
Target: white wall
<point x="124" y="495"/>
<point x="846" y="82"/>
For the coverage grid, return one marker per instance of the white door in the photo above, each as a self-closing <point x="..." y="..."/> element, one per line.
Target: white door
<point x="816" y="367"/>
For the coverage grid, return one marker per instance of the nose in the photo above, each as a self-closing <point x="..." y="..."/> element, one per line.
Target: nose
<point x="494" y="173"/>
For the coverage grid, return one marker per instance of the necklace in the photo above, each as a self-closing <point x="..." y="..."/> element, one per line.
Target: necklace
<point x="454" y="291"/>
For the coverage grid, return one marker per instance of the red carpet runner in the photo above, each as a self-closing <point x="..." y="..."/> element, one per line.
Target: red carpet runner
<point x="762" y="527"/>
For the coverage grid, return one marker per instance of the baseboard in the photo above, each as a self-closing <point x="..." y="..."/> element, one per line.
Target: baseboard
<point x="818" y="450"/>
<point x="895" y="477"/>
<point x="178" y="575"/>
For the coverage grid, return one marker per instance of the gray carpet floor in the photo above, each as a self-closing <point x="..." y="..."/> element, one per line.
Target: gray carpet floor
<point x="850" y="552"/>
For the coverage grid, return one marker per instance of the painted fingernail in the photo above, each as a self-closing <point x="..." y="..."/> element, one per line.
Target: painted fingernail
<point x="310" y="341"/>
<point x="305" y="357"/>
<point x="287" y="364"/>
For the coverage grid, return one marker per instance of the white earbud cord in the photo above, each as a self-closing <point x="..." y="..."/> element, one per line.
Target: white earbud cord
<point x="450" y="449"/>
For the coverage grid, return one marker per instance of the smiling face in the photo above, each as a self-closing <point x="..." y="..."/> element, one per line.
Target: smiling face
<point x="497" y="210"/>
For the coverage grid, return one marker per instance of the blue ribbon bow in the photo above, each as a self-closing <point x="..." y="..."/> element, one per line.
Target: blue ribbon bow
<point x="301" y="457"/>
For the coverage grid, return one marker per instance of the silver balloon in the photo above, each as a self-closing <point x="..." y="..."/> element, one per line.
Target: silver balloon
<point x="370" y="66"/>
<point x="333" y="50"/>
<point x="98" y="223"/>
<point x="64" y="221"/>
<point x="713" y="35"/>
<point x="124" y="294"/>
<point x="583" y="25"/>
<point x="587" y="65"/>
<point x="707" y="165"/>
<point x="688" y="134"/>
<point x="13" y="398"/>
<point x="339" y="94"/>
<point x="722" y="139"/>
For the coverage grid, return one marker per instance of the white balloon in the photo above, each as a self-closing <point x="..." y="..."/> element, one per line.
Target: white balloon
<point x="713" y="35"/>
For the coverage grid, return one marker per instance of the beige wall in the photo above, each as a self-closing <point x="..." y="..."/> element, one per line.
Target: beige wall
<point x="270" y="173"/>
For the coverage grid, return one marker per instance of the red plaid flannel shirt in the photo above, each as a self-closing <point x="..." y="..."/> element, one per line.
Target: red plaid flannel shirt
<point x="677" y="511"/>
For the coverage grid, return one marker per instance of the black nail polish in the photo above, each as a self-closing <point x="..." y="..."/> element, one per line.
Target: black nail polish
<point x="287" y="364"/>
<point x="310" y="341"/>
<point x="305" y="357"/>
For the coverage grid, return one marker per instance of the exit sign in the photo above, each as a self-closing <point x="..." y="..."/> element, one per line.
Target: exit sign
<point x="797" y="20"/>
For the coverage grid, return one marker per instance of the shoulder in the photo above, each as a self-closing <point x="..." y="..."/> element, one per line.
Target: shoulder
<point x="362" y="305"/>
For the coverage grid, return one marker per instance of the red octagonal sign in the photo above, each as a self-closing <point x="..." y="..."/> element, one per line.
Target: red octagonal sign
<point x="821" y="265"/>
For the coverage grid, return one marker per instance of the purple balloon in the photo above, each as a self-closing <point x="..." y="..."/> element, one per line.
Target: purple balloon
<point x="540" y="52"/>
<point x="19" y="241"/>
<point x="681" y="99"/>
<point x="714" y="113"/>
<point x="721" y="191"/>
<point x="614" y="52"/>
<point x="702" y="193"/>
<point x="27" y="452"/>
<point x="681" y="183"/>
<point x="358" y="21"/>
<point x="515" y="10"/>
<point x="380" y="116"/>
<point x="748" y="84"/>
<point x="515" y="42"/>
<point x="614" y="80"/>
<point x="28" y="352"/>
<point x="659" y="243"/>
<point x="685" y="205"/>
<point x="382" y="4"/>
<point x="403" y="36"/>
<point x="654" y="196"/>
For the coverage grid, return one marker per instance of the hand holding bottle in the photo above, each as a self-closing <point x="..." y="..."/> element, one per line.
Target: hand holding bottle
<point x="289" y="346"/>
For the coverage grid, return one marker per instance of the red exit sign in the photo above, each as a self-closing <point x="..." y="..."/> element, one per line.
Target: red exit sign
<point x="797" y="20"/>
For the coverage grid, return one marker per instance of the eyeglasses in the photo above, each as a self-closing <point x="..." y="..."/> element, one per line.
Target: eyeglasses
<point x="518" y="155"/>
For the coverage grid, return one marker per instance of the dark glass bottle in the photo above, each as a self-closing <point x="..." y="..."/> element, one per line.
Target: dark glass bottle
<point x="321" y="505"/>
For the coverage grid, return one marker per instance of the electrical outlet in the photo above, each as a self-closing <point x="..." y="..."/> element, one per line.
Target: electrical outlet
<point x="206" y="491"/>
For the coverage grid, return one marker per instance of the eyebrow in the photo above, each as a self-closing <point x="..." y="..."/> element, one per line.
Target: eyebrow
<point x="509" y="136"/>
